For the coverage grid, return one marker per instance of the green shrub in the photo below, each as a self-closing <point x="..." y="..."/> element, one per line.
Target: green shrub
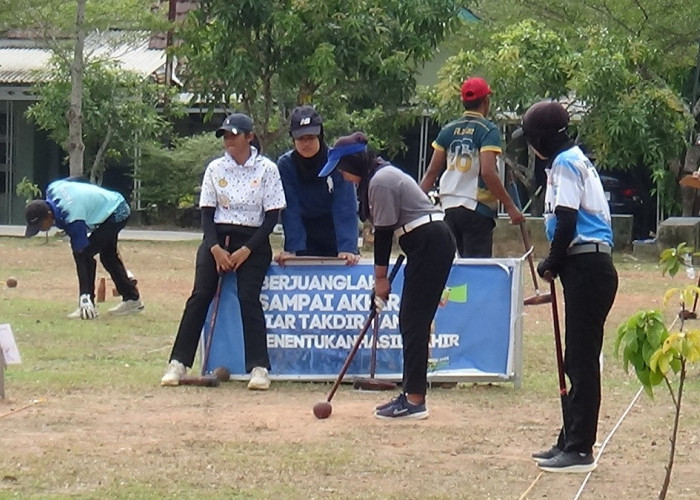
<point x="171" y="177"/>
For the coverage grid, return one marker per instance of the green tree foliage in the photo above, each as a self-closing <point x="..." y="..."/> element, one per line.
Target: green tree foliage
<point x="184" y="163"/>
<point x="670" y="26"/>
<point x="523" y="63"/>
<point x="119" y="112"/>
<point x="668" y="31"/>
<point x="52" y="22"/>
<point x="633" y="116"/>
<point x="27" y="190"/>
<point x="628" y="114"/>
<point x="266" y="56"/>
<point x="63" y="27"/>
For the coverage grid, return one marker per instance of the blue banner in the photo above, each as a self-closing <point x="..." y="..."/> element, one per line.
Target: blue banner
<point x="315" y="311"/>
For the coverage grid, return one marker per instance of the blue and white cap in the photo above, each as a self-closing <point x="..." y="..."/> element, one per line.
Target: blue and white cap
<point x="344" y="146"/>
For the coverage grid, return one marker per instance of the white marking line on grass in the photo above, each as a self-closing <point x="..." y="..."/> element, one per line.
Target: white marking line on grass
<point x="600" y="452"/>
<point x="608" y="437"/>
<point x="532" y="485"/>
<point x="614" y="429"/>
<point x="159" y="349"/>
<point x="605" y="443"/>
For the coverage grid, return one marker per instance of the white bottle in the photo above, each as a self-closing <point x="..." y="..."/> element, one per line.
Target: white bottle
<point x="689" y="269"/>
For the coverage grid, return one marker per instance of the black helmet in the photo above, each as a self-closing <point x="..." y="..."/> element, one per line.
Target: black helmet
<point x="544" y="127"/>
<point x="545" y="118"/>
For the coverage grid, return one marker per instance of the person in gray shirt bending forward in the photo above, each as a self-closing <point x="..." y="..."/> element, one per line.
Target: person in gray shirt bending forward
<point x="396" y="205"/>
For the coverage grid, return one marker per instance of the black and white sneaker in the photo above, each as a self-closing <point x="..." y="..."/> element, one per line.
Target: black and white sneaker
<point x="538" y="456"/>
<point x="569" y="461"/>
<point x="386" y="405"/>
<point x="401" y="408"/>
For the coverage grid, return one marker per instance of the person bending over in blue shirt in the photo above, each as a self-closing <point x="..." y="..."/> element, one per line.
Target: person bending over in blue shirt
<point x="92" y="217"/>
<point x="321" y="214"/>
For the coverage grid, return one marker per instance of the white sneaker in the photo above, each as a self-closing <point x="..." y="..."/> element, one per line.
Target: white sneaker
<point x="173" y="373"/>
<point x="126" y="307"/>
<point x="259" y="379"/>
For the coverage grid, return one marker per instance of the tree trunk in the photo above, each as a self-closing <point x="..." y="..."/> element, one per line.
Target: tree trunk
<point x="76" y="147"/>
<point x="674" y="432"/>
<point x="172" y="16"/>
<point x="97" y="171"/>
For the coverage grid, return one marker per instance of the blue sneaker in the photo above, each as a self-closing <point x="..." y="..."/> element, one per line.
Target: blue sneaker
<point x="401" y="408"/>
<point x="384" y="406"/>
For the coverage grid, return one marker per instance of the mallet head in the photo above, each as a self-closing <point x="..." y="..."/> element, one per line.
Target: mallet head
<point x="322" y="409"/>
<point x="222" y="373"/>
<point x="544" y="298"/>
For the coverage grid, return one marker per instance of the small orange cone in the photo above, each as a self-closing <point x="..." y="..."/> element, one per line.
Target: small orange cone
<point x="101" y="289"/>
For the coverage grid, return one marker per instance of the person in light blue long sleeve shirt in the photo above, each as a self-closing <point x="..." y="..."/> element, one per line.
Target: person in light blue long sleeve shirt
<point x="92" y="217"/>
<point x="321" y="214"/>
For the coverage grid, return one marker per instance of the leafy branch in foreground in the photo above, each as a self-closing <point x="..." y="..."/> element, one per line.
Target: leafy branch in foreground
<point x="671" y="261"/>
<point x="659" y="354"/>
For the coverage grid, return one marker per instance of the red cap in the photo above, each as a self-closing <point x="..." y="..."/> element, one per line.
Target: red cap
<point x="475" y="88"/>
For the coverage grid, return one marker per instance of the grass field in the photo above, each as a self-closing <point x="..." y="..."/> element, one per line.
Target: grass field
<point x="85" y="416"/>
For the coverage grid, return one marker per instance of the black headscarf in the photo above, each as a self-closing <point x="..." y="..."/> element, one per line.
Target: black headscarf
<point x="308" y="168"/>
<point x="364" y="165"/>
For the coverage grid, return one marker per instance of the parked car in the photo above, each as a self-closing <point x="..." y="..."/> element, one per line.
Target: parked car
<point x="628" y="192"/>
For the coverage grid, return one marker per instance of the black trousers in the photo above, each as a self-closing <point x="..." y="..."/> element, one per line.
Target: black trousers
<point x="249" y="278"/>
<point x="103" y="241"/>
<point x="430" y="251"/>
<point x="590" y="283"/>
<point x="473" y="232"/>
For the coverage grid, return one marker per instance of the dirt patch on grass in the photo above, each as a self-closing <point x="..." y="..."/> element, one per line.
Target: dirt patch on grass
<point x="110" y="431"/>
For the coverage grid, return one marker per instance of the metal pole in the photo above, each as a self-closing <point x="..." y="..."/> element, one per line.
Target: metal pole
<point x="696" y="83"/>
<point x="423" y="147"/>
<point x="10" y="157"/>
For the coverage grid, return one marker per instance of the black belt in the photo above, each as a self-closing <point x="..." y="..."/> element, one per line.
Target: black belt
<point x="589" y="248"/>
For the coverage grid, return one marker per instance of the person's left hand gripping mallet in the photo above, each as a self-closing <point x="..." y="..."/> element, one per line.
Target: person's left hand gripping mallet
<point x="380" y="294"/>
<point x="379" y="303"/>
